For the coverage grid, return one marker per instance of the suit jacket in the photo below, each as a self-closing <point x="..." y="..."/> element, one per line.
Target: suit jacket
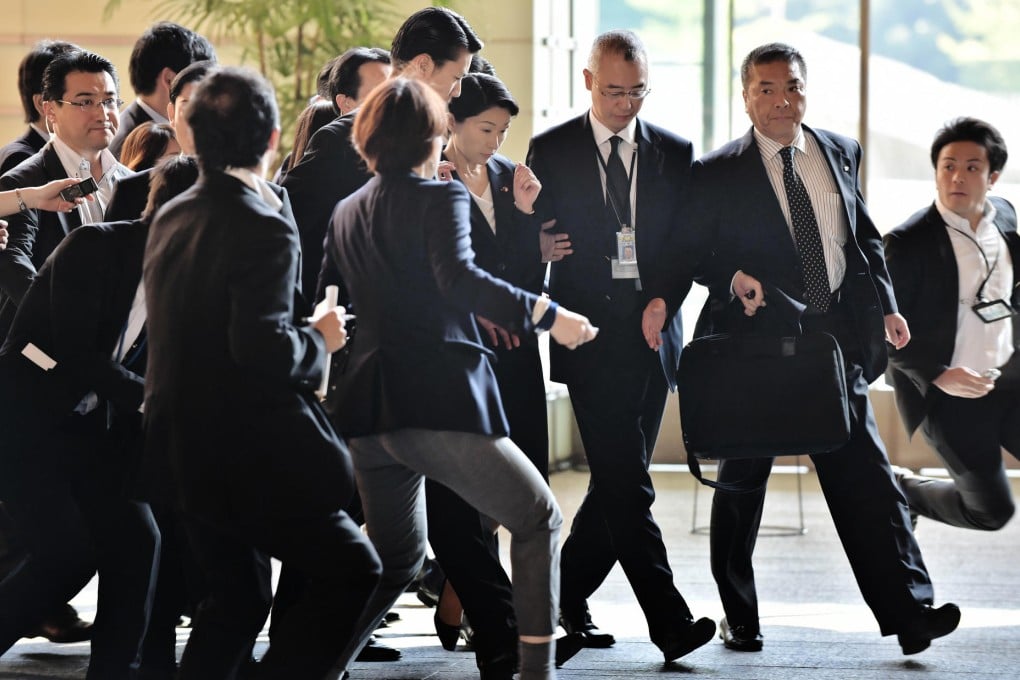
<point x="130" y="118"/>
<point x="230" y="409"/>
<point x="513" y="252"/>
<point x="329" y="171"/>
<point x="25" y="146"/>
<point x="75" y="311"/>
<point x="926" y="278"/>
<point x="130" y="197"/>
<point x="403" y="246"/>
<point x="33" y="234"/>
<point x="740" y="221"/>
<point x="564" y="159"/>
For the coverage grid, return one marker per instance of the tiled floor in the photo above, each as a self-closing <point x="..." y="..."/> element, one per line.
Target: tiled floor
<point x="815" y="623"/>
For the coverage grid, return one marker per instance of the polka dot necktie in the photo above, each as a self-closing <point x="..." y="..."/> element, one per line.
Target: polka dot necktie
<point x="617" y="184"/>
<point x="805" y="232"/>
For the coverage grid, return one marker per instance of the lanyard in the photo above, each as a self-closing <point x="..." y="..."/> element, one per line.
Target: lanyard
<point x="630" y="180"/>
<point x="998" y="247"/>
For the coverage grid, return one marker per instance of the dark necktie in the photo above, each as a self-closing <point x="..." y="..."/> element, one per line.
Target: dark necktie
<point x="617" y="185"/>
<point x="805" y="232"/>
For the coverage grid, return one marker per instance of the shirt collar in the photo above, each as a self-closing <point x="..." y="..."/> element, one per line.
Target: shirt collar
<point x="602" y="133"/>
<point x="258" y="184"/>
<point x="770" y="148"/>
<point x="43" y="132"/>
<point x="155" y="115"/>
<point x="962" y="223"/>
<point x="75" y="164"/>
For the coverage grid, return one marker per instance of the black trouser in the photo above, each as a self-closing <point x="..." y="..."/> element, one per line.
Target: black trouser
<point x="618" y="408"/>
<point x="867" y="508"/>
<point x="73" y="517"/>
<point x="968" y="435"/>
<point x="341" y="571"/>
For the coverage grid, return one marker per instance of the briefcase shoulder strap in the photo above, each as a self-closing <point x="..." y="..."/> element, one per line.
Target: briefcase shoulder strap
<point x="753" y="482"/>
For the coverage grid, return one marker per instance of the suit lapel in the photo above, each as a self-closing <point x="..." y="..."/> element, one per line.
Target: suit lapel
<point x="501" y="183"/>
<point x="749" y="172"/>
<point x="54" y="169"/>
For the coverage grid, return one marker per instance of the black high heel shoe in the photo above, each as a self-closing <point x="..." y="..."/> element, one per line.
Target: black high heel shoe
<point x="448" y="635"/>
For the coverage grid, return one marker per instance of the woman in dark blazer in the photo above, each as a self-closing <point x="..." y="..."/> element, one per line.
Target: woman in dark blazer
<point x="505" y="239"/>
<point x="418" y="395"/>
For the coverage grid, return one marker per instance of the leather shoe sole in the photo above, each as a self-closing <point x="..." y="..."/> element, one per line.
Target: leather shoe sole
<point x="375" y="651"/>
<point x="568" y="646"/>
<point x="590" y="636"/>
<point x="930" y="624"/>
<point x="739" y="638"/>
<point x="687" y="639"/>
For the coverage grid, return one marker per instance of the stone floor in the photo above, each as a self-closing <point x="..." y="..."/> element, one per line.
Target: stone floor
<point x="816" y="626"/>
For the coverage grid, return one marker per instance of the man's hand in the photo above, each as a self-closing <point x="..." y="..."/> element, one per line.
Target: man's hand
<point x="652" y="321"/>
<point x="571" y="329"/>
<point x="554" y="247"/>
<point x="497" y="334"/>
<point x="3" y="234"/>
<point x="331" y="326"/>
<point x="961" y="381"/>
<point x="749" y="291"/>
<point x="526" y="188"/>
<point x="897" y="333"/>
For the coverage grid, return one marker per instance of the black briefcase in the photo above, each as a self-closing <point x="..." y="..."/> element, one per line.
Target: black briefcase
<point x="752" y="395"/>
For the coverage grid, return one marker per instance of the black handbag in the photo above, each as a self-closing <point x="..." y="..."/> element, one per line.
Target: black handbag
<point x="754" y="396"/>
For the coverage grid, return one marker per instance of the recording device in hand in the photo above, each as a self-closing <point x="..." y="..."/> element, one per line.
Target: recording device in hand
<point x="79" y="190"/>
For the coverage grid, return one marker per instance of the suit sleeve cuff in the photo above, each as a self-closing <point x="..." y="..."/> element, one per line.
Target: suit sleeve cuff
<point x="543" y="314"/>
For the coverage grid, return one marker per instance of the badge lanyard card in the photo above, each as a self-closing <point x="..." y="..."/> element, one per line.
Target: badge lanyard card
<point x="625" y="264"/>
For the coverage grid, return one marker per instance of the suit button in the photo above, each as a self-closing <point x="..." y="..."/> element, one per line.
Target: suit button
<point x="609" y="298"/>
<point x="502" y="267"/>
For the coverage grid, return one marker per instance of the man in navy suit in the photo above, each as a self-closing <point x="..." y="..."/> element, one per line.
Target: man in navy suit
<point x="949" y="262"/>
<point x="230" y="404"/>
<point x="745" y="221"/>
<point x="157" y="57"/>
<point x="609" y="180"/>
<point x="30" y="78"/>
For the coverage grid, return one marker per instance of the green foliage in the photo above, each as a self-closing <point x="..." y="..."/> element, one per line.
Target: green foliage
<point x="288" y="41"/>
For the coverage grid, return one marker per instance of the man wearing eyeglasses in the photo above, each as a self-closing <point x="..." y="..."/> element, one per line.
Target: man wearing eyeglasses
<point x="81" y="106"/>
<point x="617" y="186"/>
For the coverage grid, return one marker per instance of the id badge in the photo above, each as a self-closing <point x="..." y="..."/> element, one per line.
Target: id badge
<point x="993" y="310"/>
<point x="625" y="264"/>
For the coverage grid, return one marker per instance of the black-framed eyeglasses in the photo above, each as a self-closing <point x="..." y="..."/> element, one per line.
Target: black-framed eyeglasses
<point x="620" y="94"/>
<point x="110" y="104"/>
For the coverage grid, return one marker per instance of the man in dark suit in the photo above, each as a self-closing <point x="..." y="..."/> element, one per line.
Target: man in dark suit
<point x="617" y="387"/>
<point x="80" y="101"/>
<point x="30" y="78"/>
<point x="72" y="437"/>
<point x="132" y="191"/>
<point x="157" y="57"/>
<point x="756" y="234"/>
<point x="949" y="263"/>
<point x="230" y="403"/>
<point x="331" y="169"/>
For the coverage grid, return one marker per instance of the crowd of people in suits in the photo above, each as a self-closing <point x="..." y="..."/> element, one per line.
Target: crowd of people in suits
<point x="164" y="416"/>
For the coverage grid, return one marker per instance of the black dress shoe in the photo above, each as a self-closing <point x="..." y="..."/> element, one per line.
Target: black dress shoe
<point x="448" y="635"/>
<point x="929" y="624"/>
<point x="740" y="638"/>
<point x="500" y="667"/>
<point x="688" y="637"/>
<point x="586" y="631"/>
<point x="568" y="646"/>
<point x="376" y="651"/>
<point x="63" y="625"/>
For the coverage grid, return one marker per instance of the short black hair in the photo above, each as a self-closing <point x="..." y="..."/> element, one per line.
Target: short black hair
<point x="190" y="74"/>
<point x="436" y="31"/>
<point x="171" y="176"/>
<point x="55" y="75"/>
<point x="480" y="92"/>
<point x="165" y="45"/>
<point x="972" y="130"/>
<point x="232" y="115"/>
<point x="770" y="53"/>
<point x="480" y="64"/>
<point x="31" y="69"/>
<point x="343" y="77"/>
